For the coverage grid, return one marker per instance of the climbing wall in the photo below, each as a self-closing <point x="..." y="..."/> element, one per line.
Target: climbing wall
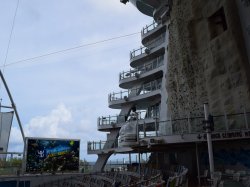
<point x="207" y="59"/>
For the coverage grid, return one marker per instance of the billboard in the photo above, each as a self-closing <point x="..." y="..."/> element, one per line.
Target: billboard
<point x="52" y="155"/>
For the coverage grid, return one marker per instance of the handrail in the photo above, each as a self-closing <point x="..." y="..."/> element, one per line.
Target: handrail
<point x="148" y="28"/>
<point x="102" y="145"/>
<point x="194" y="125"/>
<point x="155" y="63"/>
<point x="146" y="49"/>
<point x="113" y="120"/>
<point x="145" y="88"/>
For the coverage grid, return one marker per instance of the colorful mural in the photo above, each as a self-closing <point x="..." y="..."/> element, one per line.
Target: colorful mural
<point x="47" y="155"/>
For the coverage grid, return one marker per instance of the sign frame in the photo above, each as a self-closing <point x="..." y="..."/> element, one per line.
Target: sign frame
<point x="24" y="162"/>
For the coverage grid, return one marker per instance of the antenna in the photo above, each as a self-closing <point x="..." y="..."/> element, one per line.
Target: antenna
<point x="13" y="105"/>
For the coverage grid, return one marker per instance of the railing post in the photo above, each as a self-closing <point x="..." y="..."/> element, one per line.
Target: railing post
<point x="171" y="125"/>
<point x="137" y="129"/>
<point x="139" y="155"/>
<point x="189" y="124"/>
<point x="144" y="129"/>
<point x="226" y="121"/>
<point x="209" y="141"/>
<point x="156" y="133"/>
<point x="245" y="116"/>
<point x="109" y="120"/>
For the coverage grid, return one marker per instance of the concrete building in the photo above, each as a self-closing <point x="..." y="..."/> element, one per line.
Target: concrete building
<point x="194" y="52"/>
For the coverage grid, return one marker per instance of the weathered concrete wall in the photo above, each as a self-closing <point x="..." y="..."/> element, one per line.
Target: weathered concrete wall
<point x="206" y="62"/>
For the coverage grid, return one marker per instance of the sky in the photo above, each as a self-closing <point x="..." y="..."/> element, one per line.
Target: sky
<point x="62" y="95"/>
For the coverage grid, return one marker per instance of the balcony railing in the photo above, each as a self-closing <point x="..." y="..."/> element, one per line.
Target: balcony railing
<point x="146" y="50"/>
<point x="142" y="69"/>
<point x="113" y="120"/>
<point x="102" y="145"/>
<point x="148" y="28"/>
<point x="144" y="89"/>
<point x="108" y="120"/>
<point x="222" y="123"/>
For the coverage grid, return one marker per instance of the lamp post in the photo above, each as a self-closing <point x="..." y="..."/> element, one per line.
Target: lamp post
<point x="209" y="128"/>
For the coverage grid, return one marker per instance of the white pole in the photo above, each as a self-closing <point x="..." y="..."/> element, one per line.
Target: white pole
<point x="139" y="156"/>
<point x="209" y="142"/>
<point x="198" y="163"/>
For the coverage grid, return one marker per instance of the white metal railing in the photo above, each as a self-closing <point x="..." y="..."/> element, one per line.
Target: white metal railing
<point x="110" y="121"/>
<point x="107" y="120"/>
<point x="146" y="50"/>
<point x="144" y="89"/>
<point x="101" y="145"/>
<point x="148" y="28"/>
<point x="222" y="123"/>
<point x="155" y="63"/>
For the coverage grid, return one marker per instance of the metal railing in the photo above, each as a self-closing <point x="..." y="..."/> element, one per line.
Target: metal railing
<point x="146" y="50"/>
<point x="110" y="121"/>
<point x="144" y="89"/>
<point x="222" y="123"/>
<point x="102" y="145"/>
<point x="10" y="163"/>
<point x="148" y="28"/>
<point x="142" y="69"/>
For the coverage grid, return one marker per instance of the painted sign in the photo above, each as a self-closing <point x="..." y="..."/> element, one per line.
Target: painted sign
<point x="228" y="135"/>
<point x="52" y="155"/>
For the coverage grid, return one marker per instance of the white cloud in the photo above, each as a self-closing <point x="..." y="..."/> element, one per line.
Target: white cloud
<point x="59" y="123"/>
<point x="52" y="125"/>
<point x="81" y="79"/>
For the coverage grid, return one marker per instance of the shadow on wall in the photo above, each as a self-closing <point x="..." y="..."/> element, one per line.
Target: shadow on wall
<point x="233" y="158"/>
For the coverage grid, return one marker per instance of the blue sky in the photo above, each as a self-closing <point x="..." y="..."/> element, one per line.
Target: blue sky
<point x="63" y="94"/>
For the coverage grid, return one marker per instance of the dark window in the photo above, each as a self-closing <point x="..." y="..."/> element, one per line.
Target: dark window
<point x="217" y="23"/>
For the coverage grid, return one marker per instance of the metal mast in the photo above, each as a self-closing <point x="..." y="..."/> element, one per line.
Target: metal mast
<point x="12" y="104"/>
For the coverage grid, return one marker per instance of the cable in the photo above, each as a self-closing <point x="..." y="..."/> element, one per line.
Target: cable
<point x="11" y="32"/>
<point x="70" y="49"/>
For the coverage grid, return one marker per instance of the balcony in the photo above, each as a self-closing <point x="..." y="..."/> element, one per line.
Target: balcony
<point x="226" y="127"/>
<point x="152" y="31"/>
<point x="143" y="7"/>
<point x="142" y="96"/>
<point x="146" y="72"/>
<point x="102" y="146"/>
<point x="185" y="130"/>
<point x="154" y="49"/>
<point x="110" y="122"/>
